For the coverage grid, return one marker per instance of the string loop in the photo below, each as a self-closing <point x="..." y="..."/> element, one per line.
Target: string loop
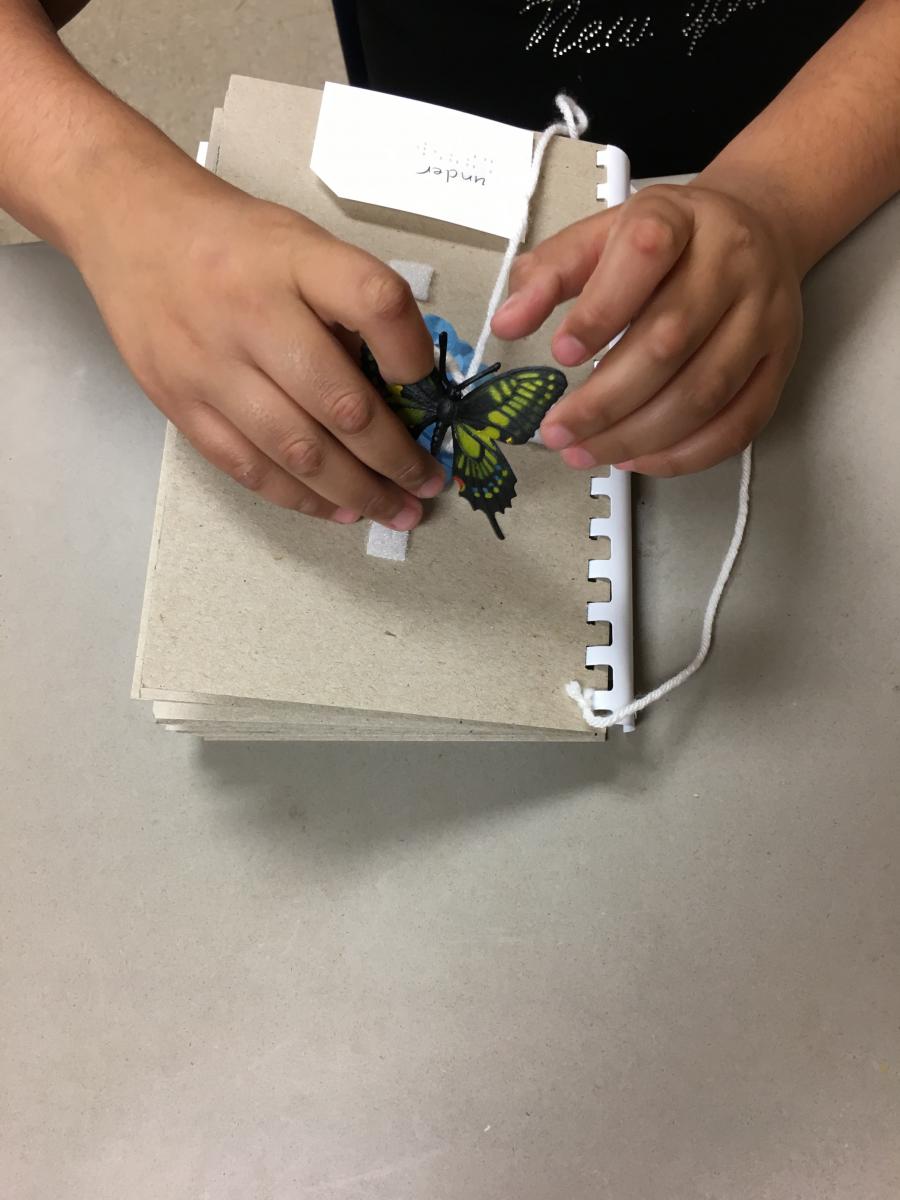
<point x="584" y="697"/>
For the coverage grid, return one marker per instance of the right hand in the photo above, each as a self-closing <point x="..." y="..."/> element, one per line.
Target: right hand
<point x="229" y="312"/>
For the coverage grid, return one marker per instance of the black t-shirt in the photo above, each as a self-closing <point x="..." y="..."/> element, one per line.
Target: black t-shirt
<point x="670" y="82"/>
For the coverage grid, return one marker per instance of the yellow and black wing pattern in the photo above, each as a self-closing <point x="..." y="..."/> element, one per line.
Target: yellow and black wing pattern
<point x="512" y="405"/>
<point x="482" y="472"/>
<point x="508" y="408"/>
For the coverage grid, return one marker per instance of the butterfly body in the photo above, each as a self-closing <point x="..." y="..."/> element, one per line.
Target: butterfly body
<point x="506" y="408"/>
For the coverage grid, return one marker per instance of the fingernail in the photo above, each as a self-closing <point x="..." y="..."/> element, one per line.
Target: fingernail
<point x="579" y="457"/>
<point x="509" y="305"/>
<point x="556" y="437"/>
<point x="406" y="519"/>
<point x="345" y="516"/>
<point x="430" y="489"/>
<point x="625" y="466"/>
<point x="568" y="350"/>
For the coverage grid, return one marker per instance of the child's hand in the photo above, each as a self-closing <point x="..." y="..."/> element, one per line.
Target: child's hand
<point x="227" y="308"/>
<point x="712" y="296"/>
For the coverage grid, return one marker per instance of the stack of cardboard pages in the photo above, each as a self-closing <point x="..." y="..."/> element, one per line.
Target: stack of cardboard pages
<point x="260" y="623"/>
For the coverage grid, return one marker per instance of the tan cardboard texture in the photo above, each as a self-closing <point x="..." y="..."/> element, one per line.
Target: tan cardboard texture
<point x="253" y="603"/>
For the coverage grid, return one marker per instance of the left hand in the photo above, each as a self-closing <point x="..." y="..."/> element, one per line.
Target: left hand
<point x="710" y="290"/>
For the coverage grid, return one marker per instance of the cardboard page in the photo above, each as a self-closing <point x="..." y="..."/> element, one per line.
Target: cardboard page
<point x="246" y="600"/>
<point x="250" y="600"/>
<point x="271" y="715"/>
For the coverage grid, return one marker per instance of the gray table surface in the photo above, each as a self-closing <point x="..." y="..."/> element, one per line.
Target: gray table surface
<point x="667" y="968"/>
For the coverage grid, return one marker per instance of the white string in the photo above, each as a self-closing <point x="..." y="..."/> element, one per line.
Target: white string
<point x="583" y="697"/>
<point x="574" y="123"/>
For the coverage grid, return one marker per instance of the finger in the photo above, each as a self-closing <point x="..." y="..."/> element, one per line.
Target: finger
<point x="702" y="388"/>
<point x="313" y="368"/>
<point x="226" y="448"/>
<point x="667" y="334"/>
<point x="554" y="271"/>
<point x="645" y="243"/>
<point x="345" y="285"/>
<point x="350" y="342"/>
<point x="728" y="433"/>
<point x="297" y="443"/>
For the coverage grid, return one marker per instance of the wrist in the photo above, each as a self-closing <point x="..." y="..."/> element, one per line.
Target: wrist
<point x="761" y="189"/>
<point x="125" y="170"/>
<point x="88" y="166"/>
<point x="77" y="165"/>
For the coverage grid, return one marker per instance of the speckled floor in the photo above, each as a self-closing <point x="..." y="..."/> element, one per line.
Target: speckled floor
<point x="172" y="61"/>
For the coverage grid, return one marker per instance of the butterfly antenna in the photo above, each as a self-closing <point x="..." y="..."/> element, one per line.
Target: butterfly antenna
<point x="492" y="370"/>
<point x="492" y="517"/>
<point x="442" y="363"/>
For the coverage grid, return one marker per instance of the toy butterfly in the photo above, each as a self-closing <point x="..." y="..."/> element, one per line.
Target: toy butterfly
<point x="507" y="408"/>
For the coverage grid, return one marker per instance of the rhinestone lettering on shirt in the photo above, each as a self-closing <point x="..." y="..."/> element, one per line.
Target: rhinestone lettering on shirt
<point x="570" y="26"/>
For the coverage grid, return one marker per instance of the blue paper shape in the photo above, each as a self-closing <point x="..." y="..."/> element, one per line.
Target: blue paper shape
<point x="462" y="354"/>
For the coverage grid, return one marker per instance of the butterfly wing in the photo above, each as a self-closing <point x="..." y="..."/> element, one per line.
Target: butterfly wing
<point x="508" y="408"/>
<point x="484" y="476"/>
<point x="511" y="406"/>
<point x="416" y="404"/>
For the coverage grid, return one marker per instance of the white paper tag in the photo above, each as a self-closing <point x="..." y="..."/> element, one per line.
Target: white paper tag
<point x="421" y="158"/>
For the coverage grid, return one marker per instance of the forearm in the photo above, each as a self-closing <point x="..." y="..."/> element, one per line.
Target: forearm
<point x="826" y="152"/>
<point x="69" y="150"/>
